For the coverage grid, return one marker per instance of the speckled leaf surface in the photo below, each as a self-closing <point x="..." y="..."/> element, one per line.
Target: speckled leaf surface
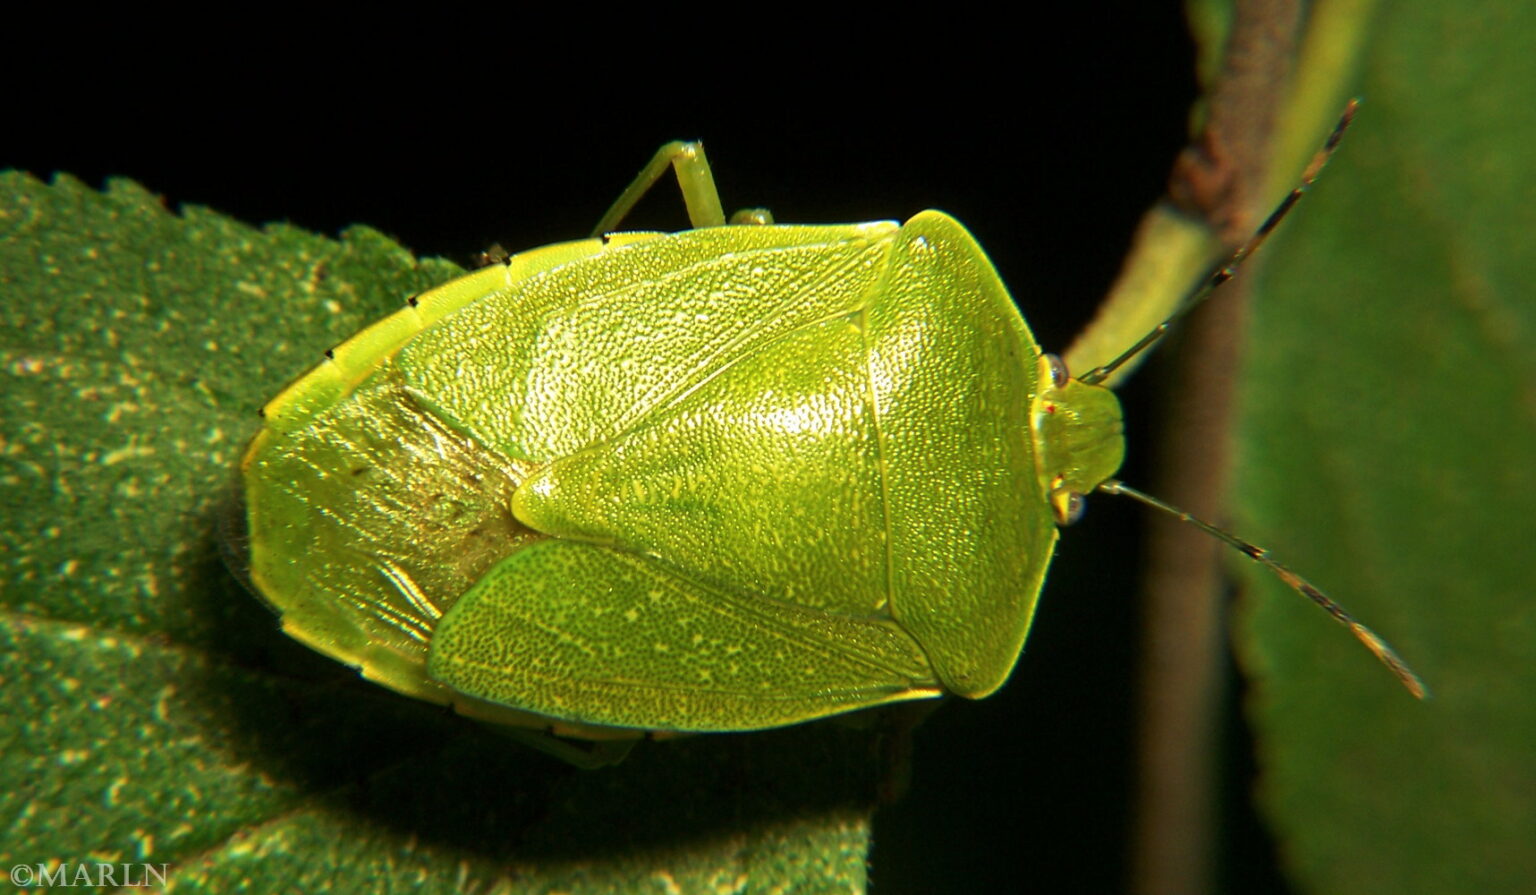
<point x="153" y="710"/>
<point x="1389" y="439"/>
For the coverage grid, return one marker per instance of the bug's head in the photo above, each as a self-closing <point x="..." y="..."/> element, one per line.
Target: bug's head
<point x="1079" y="440"/>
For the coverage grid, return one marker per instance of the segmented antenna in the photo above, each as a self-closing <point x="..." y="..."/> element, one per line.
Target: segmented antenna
<point x="1229" y="268"/>
<point x="1365" y="635"/>
<point x="1222" y="274"/>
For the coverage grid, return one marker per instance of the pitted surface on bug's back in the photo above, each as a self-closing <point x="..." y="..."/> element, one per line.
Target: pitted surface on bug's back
<point x="748" y="482"/>
<point x="820" y="442"/>
<point x="759" y="474"/>
<point x="583" y="352"/>
<point x="952" y="366"/>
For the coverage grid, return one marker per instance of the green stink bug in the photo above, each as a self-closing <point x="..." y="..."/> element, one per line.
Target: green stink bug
<point x="731" y="478"/>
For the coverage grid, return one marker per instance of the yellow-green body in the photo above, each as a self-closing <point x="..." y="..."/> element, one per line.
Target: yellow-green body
<point x="725" y="479"/>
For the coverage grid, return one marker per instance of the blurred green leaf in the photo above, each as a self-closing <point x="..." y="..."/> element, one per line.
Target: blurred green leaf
<point x="154" y="711"/>
<point x="1388" y="449"/>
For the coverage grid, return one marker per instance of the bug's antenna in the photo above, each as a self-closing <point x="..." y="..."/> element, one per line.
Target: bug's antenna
<point x="1371" y="639"/>
<point x="1229" y="268"/>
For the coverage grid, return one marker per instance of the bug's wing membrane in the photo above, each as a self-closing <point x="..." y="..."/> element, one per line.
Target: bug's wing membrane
<point x="395" y="515"/>
<point x="591" y="634"/>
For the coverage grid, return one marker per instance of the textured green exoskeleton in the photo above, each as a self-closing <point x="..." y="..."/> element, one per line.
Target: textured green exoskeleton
<point x="724" y="479"/>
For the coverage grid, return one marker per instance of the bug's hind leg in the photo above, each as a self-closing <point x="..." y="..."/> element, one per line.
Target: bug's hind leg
<point x="693" y="177"/>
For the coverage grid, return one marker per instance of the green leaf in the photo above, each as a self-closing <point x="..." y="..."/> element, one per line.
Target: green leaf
<point x="155" y="712"/>
<point x="1387" y="449"/>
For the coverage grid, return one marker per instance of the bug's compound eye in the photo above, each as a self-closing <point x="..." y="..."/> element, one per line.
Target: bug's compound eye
<point x="1069" y="506"/>
<point x="1060" y="375"/>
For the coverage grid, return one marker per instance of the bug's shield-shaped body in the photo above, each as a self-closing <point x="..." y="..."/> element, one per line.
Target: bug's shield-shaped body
<point x="725" y="479"/>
